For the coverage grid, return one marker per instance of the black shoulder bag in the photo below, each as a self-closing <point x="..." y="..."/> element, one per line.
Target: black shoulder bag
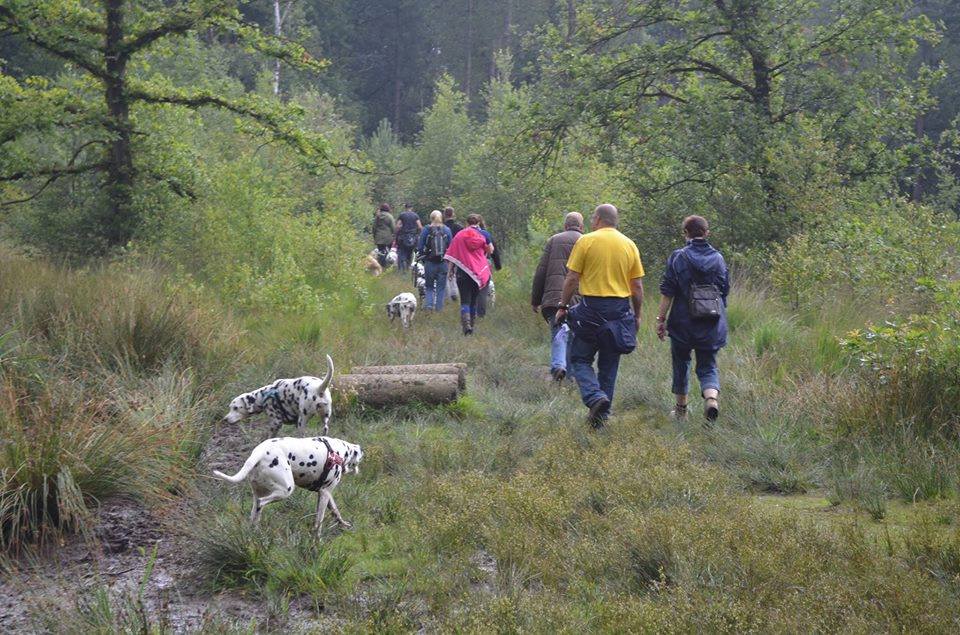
<point x="704" y="301"/>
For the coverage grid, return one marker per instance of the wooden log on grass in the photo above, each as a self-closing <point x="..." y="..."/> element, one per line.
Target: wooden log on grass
<point x="458" y="369"/>
<point x="398" y="388"/>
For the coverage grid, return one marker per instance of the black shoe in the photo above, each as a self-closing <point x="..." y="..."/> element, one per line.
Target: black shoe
<point x="598" y="413"/>
<point x="711" y="410"/>
<point x="559" y="374"/>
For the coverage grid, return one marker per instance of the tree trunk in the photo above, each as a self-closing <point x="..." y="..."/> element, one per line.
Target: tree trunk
<point x="397" y="389"/>
<point x="571" y="19"/>
<point x="460" y="370"/>
<point x="469" y="71"/>
<point x="397" y="85"/>
<point x="118" y="225"/>
<point x="278" y="32"/>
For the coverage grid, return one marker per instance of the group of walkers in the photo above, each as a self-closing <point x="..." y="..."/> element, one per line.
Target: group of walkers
<point x="589" y="288"/>
<point x="450" y="253"/>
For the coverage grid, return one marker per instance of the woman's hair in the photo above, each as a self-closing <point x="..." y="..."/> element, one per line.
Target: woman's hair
<point x="436" y="217"/>
<point x="474" y="219"/>
<point x="385" y="207"/>
<point x="448" y="212"/>
<point x="695" y="226"/>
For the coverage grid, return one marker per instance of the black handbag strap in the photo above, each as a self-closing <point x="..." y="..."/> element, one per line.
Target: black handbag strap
<point x="693" y="270"/>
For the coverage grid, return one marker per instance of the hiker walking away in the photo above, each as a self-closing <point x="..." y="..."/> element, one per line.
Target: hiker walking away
<point x="488" y="292"/>
<point x="548" y="288"/>
<point x="450" y="220"/>
<point x="432" y="246"/>
<point x="694" y="290"/>
<point x="408" y="228"/>
<point x="467" y="256"/>
<point x="383" y="230"/>
<point x="606" y="266"/>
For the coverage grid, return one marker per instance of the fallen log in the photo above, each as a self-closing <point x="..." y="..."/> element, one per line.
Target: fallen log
<point x="398" y="388"/>
<point x="458" y="369"/>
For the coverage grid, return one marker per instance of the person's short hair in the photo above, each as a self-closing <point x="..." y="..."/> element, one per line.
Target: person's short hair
<point x="573" y="220"/>
<point x="408" y="205"/>
<point x="385" y="207"/>
<point x="436" y="217"/>
<point x="608" y="214"/>
<point x="448" y="212"/>
<point x="695" y="226"/>
<point x="474" y="219"/>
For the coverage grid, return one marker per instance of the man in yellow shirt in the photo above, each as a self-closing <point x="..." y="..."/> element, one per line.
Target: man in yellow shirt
<point x="606" y="267"/>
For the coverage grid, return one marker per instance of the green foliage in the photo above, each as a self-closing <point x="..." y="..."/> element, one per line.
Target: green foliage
<point x="447" y="133"/>
<point x="390" y="159"/>
<point x="873" y="253"/>
<point x="916" y="366"/>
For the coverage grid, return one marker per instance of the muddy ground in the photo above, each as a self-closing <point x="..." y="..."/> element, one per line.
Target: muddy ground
<point x="119" y="550"/>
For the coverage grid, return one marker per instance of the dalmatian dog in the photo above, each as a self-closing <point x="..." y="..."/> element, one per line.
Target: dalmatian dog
<point x="287" y="401"/>
<point x="391" y="258"/>
<point x="316" y="464"/>
<point x="419" y="278"/>
<point x="404" y="306"/>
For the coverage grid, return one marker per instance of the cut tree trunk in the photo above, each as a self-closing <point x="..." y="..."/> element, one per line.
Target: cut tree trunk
<point x="398" y="389"/>
<point x="458" y="369"/>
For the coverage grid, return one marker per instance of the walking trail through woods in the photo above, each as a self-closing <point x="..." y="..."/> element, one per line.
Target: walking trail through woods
<point x="500" y="510"/>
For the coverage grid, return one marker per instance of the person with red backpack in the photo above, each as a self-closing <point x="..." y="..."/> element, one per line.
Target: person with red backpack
<point x="431" y="248"/>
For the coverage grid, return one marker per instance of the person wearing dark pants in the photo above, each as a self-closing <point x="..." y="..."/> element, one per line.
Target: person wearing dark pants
<point x="485" y="293"/>
<point x="605" y="265"/>
<point x="467" y="258"/>
<point x="548" y="288"/>
<point x="408" y="231"/>
<point x="696" y="263"/>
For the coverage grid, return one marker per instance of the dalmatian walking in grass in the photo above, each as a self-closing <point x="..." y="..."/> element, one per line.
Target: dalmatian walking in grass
<point x="403" y="306"/>
<point x="290" y="401"/>
<point x="317" y="464"/>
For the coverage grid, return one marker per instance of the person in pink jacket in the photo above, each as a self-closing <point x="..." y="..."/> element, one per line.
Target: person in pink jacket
<point x="467" y="256"/>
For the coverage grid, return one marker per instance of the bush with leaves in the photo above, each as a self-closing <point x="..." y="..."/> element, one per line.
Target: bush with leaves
<point x="913" y="366"/>
<point x="870" y="251"/>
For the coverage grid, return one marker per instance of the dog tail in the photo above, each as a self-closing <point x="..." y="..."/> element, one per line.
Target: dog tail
<point x="328" y="377"/>
<point x="244" y="471"/>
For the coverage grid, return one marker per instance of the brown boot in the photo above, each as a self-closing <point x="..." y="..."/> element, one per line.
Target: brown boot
<point x="466" y="323"/>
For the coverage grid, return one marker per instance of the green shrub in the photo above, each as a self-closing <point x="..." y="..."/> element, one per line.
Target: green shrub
<point x="911" y="369"/>
<point x="871" y="253"/>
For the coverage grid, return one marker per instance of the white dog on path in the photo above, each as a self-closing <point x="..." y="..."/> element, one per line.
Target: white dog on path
<point x="404" y="306"/>
<point x="317" y="464"/>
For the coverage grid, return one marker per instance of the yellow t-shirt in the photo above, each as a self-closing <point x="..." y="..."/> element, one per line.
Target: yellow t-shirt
<point x="607" y="261"/>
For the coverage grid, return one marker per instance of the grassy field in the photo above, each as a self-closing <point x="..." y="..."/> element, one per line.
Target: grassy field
<point x="502" y="512"/>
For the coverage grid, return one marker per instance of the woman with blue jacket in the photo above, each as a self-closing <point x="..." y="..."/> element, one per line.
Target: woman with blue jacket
<point x="697" y="263"/>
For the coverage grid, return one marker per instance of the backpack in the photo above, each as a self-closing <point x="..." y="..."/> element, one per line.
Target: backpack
<point x="704" y="301"/>
<point x="436" y="244"/>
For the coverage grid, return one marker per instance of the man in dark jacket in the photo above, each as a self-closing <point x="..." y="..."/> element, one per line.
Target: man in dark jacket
<point x="697" y="262"/>
<point x="548" y="287"/>
<point x="408" y="231"/>
<point x="450" y="220"/>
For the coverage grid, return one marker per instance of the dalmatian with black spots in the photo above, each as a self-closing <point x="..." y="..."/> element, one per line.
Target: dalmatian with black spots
<point x="278" y="465"/>
<point x="419" y="278"/>
<point x="287" y="401"/>
<point x="404" y="306"/>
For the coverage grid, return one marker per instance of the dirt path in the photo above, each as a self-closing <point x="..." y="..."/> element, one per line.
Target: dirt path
<point x="127" y="538"/>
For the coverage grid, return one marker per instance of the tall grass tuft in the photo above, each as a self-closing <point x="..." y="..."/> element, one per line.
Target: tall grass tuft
<point x="106" y="379"/>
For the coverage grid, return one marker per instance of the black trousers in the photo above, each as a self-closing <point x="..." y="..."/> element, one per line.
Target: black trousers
<point x="469" y="293"/>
